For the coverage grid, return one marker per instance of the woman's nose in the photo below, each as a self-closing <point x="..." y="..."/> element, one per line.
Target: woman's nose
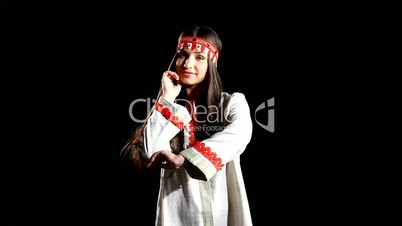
<point x="189" y="63"/>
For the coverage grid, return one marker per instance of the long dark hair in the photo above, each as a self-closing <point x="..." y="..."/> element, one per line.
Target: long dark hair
<point x="211" y="98"/>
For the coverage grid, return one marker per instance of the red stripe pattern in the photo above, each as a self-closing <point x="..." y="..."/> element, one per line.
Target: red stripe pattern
<point x="201" y="45"/>
<point x="197" y="145"/>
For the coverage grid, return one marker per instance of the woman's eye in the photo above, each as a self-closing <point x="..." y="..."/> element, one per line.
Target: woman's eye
<point x="200" y="58"/>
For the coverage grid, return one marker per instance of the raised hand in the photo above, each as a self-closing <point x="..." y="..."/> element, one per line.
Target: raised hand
<point x="171" y="85"/>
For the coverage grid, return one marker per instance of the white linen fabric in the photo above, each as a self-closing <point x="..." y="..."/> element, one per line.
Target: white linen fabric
<point x="209" y="190"/>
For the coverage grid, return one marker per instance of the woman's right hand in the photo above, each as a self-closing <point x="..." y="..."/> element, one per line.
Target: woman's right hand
<point x="171" y="85"/>
<point x="166" y="159"/>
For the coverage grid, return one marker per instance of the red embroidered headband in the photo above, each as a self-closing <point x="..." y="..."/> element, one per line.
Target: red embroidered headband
<point x="200" y="44"/>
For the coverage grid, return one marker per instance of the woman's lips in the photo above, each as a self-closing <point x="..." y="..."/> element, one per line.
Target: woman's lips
<point x="187" y="73"/>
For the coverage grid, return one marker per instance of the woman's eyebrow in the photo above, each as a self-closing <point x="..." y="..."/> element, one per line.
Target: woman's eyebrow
<point x="200" y="52"/>
<point x="190" y="51"/>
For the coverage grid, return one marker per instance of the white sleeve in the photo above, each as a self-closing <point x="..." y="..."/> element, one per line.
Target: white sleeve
<point x="166" y="120"/>
<point x="210" y="155"/>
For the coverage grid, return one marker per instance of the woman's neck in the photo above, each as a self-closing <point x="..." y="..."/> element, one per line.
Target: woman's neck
<point x="194" y="93"/>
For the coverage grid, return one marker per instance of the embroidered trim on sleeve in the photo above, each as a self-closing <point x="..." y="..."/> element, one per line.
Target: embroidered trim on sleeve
<point x="210" y="155"/>
<point x="168" y="115"/>
<point x="191" y="138"/>
<point x="200" y="147"/>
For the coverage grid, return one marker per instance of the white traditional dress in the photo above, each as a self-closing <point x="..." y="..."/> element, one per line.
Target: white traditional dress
<point x="210" y="191"/>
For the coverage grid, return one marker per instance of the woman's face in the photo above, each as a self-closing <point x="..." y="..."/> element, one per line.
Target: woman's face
<point x="191" y="66"/>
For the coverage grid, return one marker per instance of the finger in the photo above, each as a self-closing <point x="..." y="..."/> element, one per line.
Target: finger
<point x="154" y="157"/>
<point x="150" y="164"/>
<point x="154" y="161"/>
<point x="173" y="74"/>
<point x="175" y="79"/>
<point x="165" y="74"/>
<point x="176" y="76"/>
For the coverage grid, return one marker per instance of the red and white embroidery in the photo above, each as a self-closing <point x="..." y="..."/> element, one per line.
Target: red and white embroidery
<point x="168" y="115"/>
<point x="190" y="136"/>
<point x="201" y="45"/>
<point x="201" y="148"/>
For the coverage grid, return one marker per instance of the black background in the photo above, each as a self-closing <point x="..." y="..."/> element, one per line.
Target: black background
<point x="71" y="69"/>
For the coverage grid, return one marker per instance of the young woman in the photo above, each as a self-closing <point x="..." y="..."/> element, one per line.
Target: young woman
<point x="196" y="133"/>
